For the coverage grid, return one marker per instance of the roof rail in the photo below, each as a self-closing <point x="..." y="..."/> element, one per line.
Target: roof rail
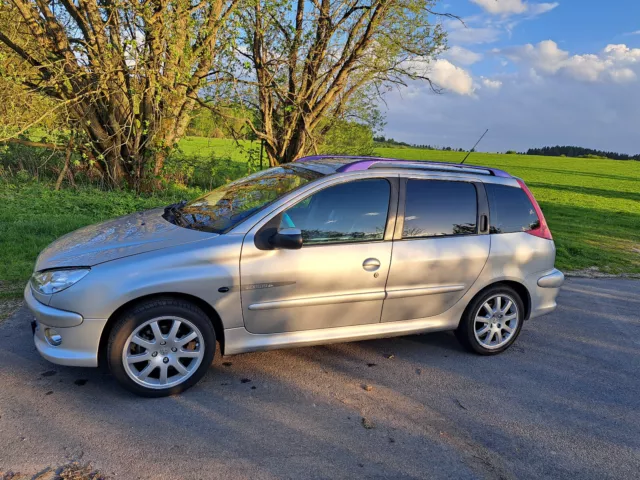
<point x="434" y="167"/>
<point x="355" y="163"/>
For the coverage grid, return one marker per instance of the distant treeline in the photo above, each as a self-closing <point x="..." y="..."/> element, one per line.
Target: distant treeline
<point x="557" y="151"/>
<point x="382" y="141"/>
<point x="578" y="152"/>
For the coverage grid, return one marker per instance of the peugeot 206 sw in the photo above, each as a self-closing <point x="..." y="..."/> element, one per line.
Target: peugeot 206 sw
<point x="325" y="249"/>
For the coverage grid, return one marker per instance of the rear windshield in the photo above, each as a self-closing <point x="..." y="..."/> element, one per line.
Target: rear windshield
<point x="510" y="209"/>
<point x="225" y="207"/>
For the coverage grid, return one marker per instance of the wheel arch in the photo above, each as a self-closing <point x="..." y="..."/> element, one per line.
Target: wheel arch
<point x="520" y="289"/>
<point x="211" y="313"/>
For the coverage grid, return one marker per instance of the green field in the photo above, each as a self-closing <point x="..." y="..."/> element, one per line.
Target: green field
<point x="218" y="147"/>
<point x="592" y="207"/>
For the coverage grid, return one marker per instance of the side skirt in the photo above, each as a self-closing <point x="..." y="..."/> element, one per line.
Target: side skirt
<point x="239" y="340"/>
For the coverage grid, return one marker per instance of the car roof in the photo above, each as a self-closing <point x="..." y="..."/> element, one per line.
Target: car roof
<point x="328" y="164"/>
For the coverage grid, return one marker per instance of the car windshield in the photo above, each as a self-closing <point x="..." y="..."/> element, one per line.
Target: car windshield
<point x="225" y="207"/>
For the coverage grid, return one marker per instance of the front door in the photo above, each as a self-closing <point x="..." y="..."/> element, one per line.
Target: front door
<point x="438" y="250"/>
<point x="338" y="276"/>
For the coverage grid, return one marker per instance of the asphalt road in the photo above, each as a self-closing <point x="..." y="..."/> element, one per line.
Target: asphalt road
<point x="563" y="402"/>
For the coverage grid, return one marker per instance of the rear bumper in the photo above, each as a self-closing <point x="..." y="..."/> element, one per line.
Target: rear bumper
<point x="544" y="291"/>
<point x="555" y="279"/>
<point x="80" y="336"/>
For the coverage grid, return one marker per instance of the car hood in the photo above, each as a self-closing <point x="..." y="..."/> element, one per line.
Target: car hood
<point x="121" y="237"/>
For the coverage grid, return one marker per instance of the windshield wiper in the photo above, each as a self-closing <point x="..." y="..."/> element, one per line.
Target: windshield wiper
<point x="173" y="213"/>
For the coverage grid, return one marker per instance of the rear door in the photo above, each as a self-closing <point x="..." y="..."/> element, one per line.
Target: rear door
<point x="440" y="246"/>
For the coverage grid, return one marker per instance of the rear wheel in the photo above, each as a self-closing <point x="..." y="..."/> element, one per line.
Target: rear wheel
<point x="492" y="321"/>
<point x="161" y="347"/>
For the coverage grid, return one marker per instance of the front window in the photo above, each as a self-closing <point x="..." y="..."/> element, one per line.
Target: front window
<point x="344" y="213"/>
<point x="225" y="207"/>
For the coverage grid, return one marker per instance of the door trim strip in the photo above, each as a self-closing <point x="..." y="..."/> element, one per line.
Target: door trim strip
<point x="312" y="301"/>
<point x="356" y="297"/>
<point x="418" y="292"/>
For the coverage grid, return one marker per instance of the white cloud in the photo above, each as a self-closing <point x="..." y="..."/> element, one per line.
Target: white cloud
<point x="502" y="6"/>
<point x="455" y="79"/>
<point x="540" y="8"/>
<point x="637" y="32"/>
<point x="546" y="58"/>
<point x="523" y="113"/>
<point x="465" y="34"/>
<point x="623" y="75"/>
<point x="473" y="36"/>
<point x="492" y="84"/>
<point x="552" y="98"/>
<point x="514" y="7"/>
<point x="623" y="53"/>
<point x="462" y="56"/>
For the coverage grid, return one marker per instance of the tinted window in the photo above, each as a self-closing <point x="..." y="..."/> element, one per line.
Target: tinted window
<point x="349" y="212"/>
<point x="434" y="208"/>
<point x="221" y="209"/>
<point x="510" y="209"/>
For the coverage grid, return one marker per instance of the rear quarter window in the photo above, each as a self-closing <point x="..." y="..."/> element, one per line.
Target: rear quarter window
<point x="510" y="210"/>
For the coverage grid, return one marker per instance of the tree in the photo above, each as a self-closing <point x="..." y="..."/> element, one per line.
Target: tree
<point x="346" y="138"/>
<point x="304" y="62"/>
<point x="128" y="72"/>
<point x="19" y="109"/>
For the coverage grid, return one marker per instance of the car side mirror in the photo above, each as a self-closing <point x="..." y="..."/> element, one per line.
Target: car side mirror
<point x="287" y="238"/>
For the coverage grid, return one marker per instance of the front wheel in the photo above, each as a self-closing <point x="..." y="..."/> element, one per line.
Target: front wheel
<point x="161" y="347"/>
<point x="492" y="321"/>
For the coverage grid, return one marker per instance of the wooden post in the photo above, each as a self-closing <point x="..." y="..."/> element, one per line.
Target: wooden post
<point x="65" y="168"/>
<point x="261" y="150"/>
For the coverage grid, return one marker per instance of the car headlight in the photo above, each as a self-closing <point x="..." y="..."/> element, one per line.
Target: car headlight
<point x="53" y="281"/>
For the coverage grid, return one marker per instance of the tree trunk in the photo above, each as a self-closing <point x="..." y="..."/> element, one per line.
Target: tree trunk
<point x="65" y="168"/>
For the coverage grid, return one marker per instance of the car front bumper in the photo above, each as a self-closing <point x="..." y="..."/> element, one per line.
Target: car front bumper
<point x="80" y="336"/>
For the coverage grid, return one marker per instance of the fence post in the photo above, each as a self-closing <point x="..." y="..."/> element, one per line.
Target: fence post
<point x="261" y="150"/>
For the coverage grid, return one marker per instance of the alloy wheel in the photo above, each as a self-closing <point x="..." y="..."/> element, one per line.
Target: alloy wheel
<point x="496" y="321"/>
<point x="163" y="352"/>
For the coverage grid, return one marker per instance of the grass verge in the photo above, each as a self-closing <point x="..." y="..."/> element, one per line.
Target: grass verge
<point x="33" y="215"/>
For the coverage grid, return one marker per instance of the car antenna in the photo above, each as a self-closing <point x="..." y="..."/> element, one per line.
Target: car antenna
<point x="474" y="147"/>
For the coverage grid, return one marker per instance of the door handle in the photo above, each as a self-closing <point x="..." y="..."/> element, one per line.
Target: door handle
<point x="484" y="224"/>
<point x="371" y="264"/>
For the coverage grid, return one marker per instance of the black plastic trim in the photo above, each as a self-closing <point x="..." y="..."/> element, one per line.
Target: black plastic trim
<point x="483" y="209"/>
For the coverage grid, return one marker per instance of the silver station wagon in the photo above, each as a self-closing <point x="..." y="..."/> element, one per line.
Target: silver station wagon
<point x="322" y="250"/>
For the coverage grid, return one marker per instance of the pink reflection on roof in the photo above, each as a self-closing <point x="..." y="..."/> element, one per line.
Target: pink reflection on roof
<point x="354" y="163"/>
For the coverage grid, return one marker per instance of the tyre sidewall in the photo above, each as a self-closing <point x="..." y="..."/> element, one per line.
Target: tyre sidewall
<point x="466" y="331"/>
<point x="135" y="317"/>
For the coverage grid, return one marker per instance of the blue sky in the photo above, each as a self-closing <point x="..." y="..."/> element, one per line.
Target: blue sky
<point x="534" y="73"/>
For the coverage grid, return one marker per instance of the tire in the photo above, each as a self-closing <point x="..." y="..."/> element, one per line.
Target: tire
<point x="172" y="340"/>
<point x="492" y="336"/>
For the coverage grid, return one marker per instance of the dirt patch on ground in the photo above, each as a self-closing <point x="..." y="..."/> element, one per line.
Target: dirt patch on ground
<point x="8" y="306"/>
<point x="594" y="272"/>
<point x="71" y="471"/>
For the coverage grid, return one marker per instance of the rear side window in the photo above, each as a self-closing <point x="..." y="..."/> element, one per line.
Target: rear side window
<point x="510" y="209"/>
<point x="435" y="208"/>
